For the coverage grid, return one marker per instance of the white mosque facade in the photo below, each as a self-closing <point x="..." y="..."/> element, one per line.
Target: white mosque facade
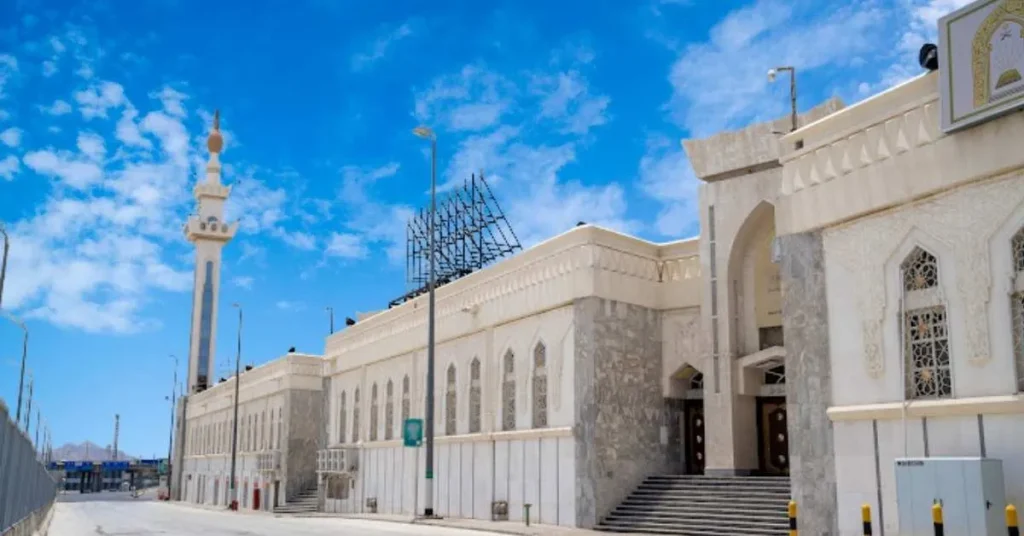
<point x="859" y="280"/>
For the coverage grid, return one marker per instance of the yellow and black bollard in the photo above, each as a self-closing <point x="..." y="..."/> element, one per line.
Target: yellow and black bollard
<point x="865" y="518"/>
<point x="937" y="519"/>
<point x="1011" y="521"/>
<point x="792" y="518"/>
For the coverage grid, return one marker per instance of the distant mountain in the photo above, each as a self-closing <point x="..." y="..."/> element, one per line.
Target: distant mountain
<point x="88" y="451"/>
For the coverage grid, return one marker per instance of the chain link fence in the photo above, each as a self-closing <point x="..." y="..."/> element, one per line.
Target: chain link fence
<point x="27" y="491"/>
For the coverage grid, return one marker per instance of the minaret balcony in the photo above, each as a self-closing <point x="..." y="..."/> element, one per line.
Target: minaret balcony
<point x="196" y="229"/>
<point x="207" y="189"/>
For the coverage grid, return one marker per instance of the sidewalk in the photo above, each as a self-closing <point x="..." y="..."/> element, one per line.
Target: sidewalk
<point x="497" y="527"/>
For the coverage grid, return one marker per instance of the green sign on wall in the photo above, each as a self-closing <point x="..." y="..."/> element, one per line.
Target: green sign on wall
<point x="412" y="432"/>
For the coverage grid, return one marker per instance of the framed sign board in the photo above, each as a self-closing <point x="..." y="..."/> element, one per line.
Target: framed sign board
<point x="981" y="62"/>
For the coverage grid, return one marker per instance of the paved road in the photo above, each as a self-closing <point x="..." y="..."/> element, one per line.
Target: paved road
<point x="116" y="514"/>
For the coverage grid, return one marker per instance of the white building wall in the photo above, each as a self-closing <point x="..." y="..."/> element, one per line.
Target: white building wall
<point x="881" y="179"/>
<point x="471" y="470"/>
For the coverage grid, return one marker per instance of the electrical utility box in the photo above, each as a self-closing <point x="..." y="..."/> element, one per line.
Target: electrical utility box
<point x="970" y="490"/>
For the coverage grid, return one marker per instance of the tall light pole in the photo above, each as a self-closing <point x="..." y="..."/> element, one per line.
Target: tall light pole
<point x="792" y="89"/>
<point x="234" y="424"/>
<point x="331" y="311"/>
<point x="428" y="506"/>
<point x="170" y="439"/>
<point x="24" y="357"/>
<point x="3" y="264"/>
<point x="28" y="412"/>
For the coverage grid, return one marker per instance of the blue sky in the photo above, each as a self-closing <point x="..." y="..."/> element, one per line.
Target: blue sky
<point x="573" y="109"/>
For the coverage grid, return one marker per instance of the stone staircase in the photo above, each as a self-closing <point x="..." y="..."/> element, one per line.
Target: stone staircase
<point x="305" y="502"/>
<point x="704" y="506"/>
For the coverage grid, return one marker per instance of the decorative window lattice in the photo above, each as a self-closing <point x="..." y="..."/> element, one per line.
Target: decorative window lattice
<point x="540" y="386"/>
<point x="355" y="417"/>
<point x="1017" y="246"/>
<point x="405" y="399"/>
<point x="343" y="417"/>
<point x="1018" y="336"/>
<point x="450" y="401"/>
<point x="373" y="413"/>
<point x="508" y="392"/>
<point x="920" y="271"/>
<point x="925" y="329"/>
<point x="474" y="396"/>
<point x="389" y="412"/>
<point x="697" y="381"/>
<point x="280" y="427"/>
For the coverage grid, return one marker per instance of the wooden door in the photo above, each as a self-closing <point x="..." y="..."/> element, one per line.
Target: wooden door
<point x="773" y="428"/>
<point x="695" y="438"/>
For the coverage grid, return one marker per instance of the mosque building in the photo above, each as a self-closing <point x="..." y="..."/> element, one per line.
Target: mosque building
<point x="855" y="296"/>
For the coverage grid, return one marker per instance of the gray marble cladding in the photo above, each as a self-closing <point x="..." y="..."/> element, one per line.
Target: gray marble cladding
<point x="619" y="403"/>
<point x="305" y="421"/>
<point x="809" y="383"/>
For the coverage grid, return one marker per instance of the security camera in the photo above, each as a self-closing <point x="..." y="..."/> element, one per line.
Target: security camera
<point x="928" y="57"/>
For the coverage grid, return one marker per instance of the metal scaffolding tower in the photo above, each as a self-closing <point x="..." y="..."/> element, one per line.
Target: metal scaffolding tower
<point x="471" y="232"/>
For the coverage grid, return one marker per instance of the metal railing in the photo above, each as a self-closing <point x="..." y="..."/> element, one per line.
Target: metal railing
<point x="268" y="462"/>
<point x="337" y="460"/>
<point x="27" y="491"/>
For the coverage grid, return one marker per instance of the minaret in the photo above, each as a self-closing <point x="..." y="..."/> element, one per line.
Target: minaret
<point x="209" y="232"/>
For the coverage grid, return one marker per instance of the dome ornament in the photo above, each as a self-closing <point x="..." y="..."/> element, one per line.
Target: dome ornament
<point x="215" y="142"/>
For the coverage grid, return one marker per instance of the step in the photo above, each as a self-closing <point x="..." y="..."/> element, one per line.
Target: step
<point x="639" y="509"/>
<point x="681" y="531"/>
<point x="687" y="517"/>
<point x="737" y="527"/>
<point x="706" y="496"/>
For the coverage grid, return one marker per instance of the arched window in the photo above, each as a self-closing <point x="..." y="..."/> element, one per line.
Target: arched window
<point x="343" y="418"/>
<point x="373" y="413"/>
<point x="355" y="417"/>
<point x="270" y="440"/>
<point x="925" y="328"/>
<point x="450" y="400"/>
<point x="280" y="427"/>
<point x="474" y="396"/>
<point x="389" y="412"/>
<point x="508" y="392"/>
<point x="1017" y="304"/>
<point x="405" y="399"/>
<point x="540" y="386"/>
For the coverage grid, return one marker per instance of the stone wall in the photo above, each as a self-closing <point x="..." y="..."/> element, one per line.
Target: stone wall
<point x="619" y="403"/>
<point x="808" y="382"/>
<point x="305" y="421"/>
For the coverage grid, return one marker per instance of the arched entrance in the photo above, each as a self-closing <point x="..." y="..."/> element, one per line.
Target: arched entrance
<point x="688" y="383"/>
<point x="758" y="341"/>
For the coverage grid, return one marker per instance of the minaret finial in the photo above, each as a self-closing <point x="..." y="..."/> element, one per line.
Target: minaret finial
<point x="215" y="142"/>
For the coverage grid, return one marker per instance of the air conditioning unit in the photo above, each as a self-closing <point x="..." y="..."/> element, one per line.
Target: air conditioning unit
<point x="970" y="490"/>
<point x="371" y="505"/>
<point x="499" y="511"/>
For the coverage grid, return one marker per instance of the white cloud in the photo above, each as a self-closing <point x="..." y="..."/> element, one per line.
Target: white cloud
<point x="9" y="167"/>
<point x="291" y="306"/>
<point x="173" y="101"/>
<point x="665" y="175"/>
<point x="107" y="239"/>
<point x="346" y="246"/>
<point x="72" y="170"/>
<point x="721" y="83"/>
<point x="471" y="100"/>
<point x="8" y="68"/>
<point x="96" y="100"/>
<point x="11" y="137"/>
<point x="242" y="281"/>
<point x="298" y="240"/>
<point x="92" y="146"/>
<point x="128" y="131"/>
<point x="49" y="68"/>
<point x="59" y="107"/>
<point x="566" y="98"/>
<point x="380" y="47"/>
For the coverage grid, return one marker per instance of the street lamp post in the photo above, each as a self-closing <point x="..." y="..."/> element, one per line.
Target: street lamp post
<point x="24" y="358"/>
<point x="792" y="90"/>
<point x="3" y="263"/>
<point x="28" y="412"/>
<point x="170" y="439"/>
<point x="234" y="424"/>
<point x="428" y="506"/>
<point x="331" y="311"/>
